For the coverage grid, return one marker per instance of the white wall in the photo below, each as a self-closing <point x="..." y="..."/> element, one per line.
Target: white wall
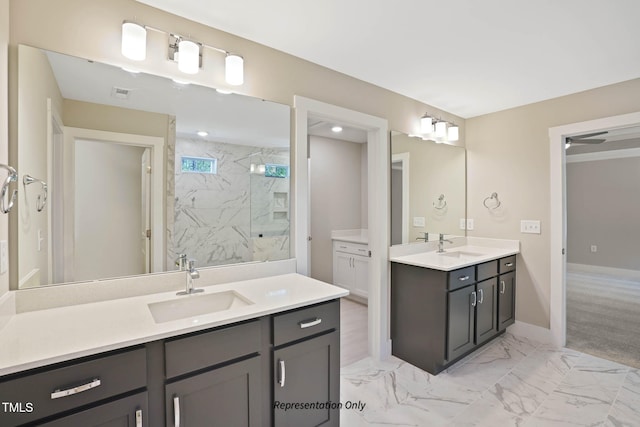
<point x="336" y="188"/>
<point x="603" y="208"/>
<point x="4" y="122"/>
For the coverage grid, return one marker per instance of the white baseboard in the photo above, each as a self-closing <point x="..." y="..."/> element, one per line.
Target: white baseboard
<point x="532" y="332"/>
<point x="600" y="270"/>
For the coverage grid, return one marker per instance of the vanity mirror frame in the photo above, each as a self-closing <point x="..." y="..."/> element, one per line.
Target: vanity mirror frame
<point x="160" y="262"/>
<point x="441" y="206"/>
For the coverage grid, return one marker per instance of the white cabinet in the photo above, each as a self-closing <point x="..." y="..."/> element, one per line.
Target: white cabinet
<point x="351" y="267"/>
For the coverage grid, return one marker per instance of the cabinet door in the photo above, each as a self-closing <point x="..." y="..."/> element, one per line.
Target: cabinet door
<point x="127" y="412"/>
<point x="306" y="373"/>
<point x="486" y="310"/>
<point x="361" y="267"/>
<point x="461" y="321"/>
<point x="343" y="272"/>
<point x="506" y="299"/>
<point x="228" y="396"/>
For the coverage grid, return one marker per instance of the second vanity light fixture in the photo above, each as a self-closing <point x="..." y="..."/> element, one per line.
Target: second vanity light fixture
<point x="187" y="53"/>
<point x="438" y="130"/>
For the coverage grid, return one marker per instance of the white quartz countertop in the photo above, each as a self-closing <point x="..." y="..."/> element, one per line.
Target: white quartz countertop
<point x="38" y="338"/>
<point x="351" y="236"/>
<point x="455" y="257"/>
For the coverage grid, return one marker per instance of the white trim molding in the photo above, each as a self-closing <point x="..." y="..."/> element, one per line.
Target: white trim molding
<point x="604" y="155"/>
<point x="378" y="209"/>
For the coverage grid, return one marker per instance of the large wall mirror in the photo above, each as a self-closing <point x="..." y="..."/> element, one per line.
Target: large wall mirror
<point x="129" y="170"/>
<point x="428" y="189"/>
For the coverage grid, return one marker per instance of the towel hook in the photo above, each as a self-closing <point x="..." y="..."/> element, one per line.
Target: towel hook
<point x="442" y="203"/>
<point x="497" y="203"/>
<point x="41" y="201"/>
<point x="6" y="201"/>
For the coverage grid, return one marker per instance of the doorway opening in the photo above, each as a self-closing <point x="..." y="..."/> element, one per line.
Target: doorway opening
<point x="558" y="224"/>
<point x="377" y="202"/>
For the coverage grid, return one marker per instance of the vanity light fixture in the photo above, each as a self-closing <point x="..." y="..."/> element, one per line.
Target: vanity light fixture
<point x="134" y="41"/>
<point x="435" y="129"/>
<point x="453" y="133"/>
<point x="441" y="130"/>
<point x="187" y="53"/>
<point x="426" y="125"/>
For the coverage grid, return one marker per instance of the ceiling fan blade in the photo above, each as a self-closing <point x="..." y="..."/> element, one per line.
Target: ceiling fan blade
<point x="588" y="135"/>
<point x="588" y="141"/>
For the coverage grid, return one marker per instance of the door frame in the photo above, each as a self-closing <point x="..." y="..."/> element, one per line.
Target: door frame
<point x="558" y="213"/>
<point x="156" y="145"/>
<point x="379" y="343"/>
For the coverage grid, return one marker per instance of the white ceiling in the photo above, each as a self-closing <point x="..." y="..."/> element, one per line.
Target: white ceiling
<point x="467" y="57"/>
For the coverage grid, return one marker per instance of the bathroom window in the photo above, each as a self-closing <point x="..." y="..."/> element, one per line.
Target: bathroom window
<point x="276" y="171"/>
<point x="199" y="165"/>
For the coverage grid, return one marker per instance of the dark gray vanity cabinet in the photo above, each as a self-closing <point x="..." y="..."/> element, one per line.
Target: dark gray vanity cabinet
<point x="214" y="378"/>
<point x="437" y="317"/>
<point x="507" y="293"/>
<point x="225" y="376"/>
<point x="306" y="365"/>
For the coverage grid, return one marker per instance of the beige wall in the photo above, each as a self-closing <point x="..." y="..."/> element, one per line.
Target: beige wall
<point x="336" y="189"/>
<point x="4" y="123"/>
<point x="508" y="152"/>
<point x="603" y="208"/>
<point x="36" y="84"/>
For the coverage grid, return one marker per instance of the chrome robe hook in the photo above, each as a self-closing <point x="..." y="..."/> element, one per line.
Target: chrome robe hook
<point x="41" y="201"/>
<point x="6" y="201"/>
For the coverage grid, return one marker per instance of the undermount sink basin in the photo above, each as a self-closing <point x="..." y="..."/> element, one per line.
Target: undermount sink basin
<point x="461" y="254"/>
<point x="196" y="305"/>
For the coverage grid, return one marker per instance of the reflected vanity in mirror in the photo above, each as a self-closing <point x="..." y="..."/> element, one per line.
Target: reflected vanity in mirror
<point x="428" y="189"/>
<point x="140" y="169"/>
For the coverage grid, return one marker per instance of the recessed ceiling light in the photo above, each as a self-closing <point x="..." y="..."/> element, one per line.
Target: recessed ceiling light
<point x="202" y="133"/>
<point x="336" y="129"/>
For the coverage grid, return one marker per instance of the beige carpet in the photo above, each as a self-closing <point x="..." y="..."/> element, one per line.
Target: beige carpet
<point x="603" y="317"/>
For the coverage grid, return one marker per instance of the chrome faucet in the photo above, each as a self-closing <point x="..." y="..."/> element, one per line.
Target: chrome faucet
<point x="425" y="237"/>
<point x="190" y="267"/>
<point x="441" y="241"/>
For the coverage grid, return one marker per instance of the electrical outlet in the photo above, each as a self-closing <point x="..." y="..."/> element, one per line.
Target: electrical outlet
<point x="470" y="224"/>
<point x="530" y="226"/>
<point x="594" y="248"/>
<point x="418" y="221"/>
<point x="463" y="224"/>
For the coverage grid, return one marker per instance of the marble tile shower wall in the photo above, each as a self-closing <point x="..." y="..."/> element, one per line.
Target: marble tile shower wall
<point x="228" y="217"/>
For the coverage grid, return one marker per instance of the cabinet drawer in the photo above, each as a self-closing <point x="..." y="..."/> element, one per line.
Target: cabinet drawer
<point x="305" y="322"/>
<point x="507" y="264"/>
<point x="184" y="355"/>
<point x="487" y="270"/>
<point x="351" y="248"/>
<point x="51" y="391"/>
<point x="463" y="277"/>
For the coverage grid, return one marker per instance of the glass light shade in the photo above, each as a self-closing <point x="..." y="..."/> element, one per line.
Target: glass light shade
<point x="441" y="129"/>
<point x="189" y="57"/>
<point x="234" y="69"/>
<point x="134" y="41"/>
<point x="453" y="133"/>
<point x="426" y="125"/>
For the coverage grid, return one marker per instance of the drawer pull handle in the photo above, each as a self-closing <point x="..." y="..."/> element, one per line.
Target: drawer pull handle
<point x="314" y="322"/>
<point x="509" y="264"/>
<point x="176" y="411"/>
<point x="139" y="418"/>
<point x="462" y="279"/>
<point x="502" y="284"/>
<point x="57" y="394"/>
<point x="282" y="374"/>
<point x="481" y="291"/>
<point x="475" y="298"/>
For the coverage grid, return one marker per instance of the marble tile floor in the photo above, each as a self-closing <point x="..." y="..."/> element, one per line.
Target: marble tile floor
<point x="512" y="381"/>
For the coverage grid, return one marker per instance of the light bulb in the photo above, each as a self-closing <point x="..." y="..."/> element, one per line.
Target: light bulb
<point x="189" y="57"/>
<point x="234" y="69"/>
<point x="134" y="41"/>
<point x="453" y="133"/>
<point x="441" y="129"/>
<point x="426" y="125"/>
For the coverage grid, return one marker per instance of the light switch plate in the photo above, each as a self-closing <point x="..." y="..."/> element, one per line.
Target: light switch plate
<point x="470" y="224"/>
<point x="463" y="224"/>
<point x="4" y="256"/>
<point x="418" y="221"/>
<point x="530" y="226"/>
